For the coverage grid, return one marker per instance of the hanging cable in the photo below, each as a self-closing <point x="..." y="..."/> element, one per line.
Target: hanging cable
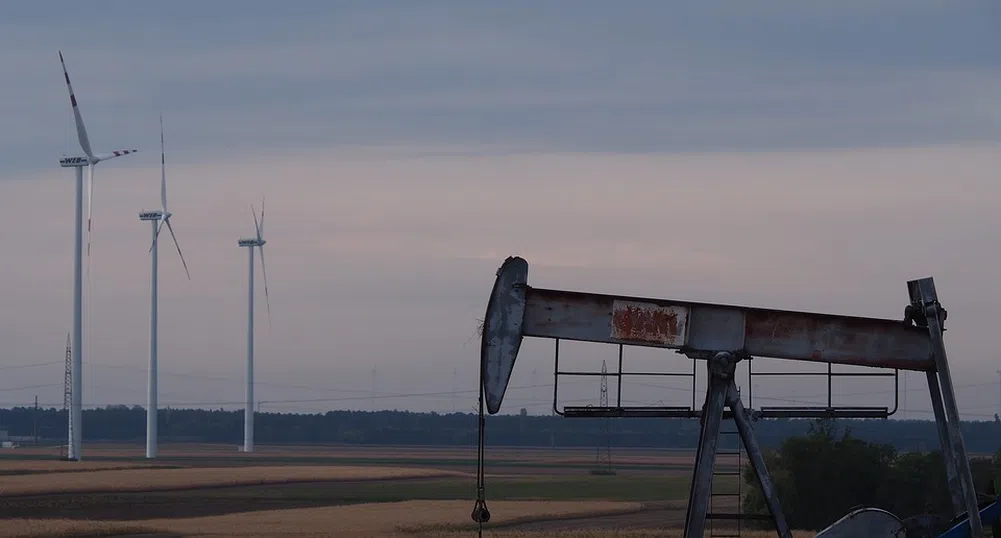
<point x="480" y="513"/>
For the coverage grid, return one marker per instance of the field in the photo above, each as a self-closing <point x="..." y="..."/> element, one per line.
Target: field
<point x="215" y="491"/>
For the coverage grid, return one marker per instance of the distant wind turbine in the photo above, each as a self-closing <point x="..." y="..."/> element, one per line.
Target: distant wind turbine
<point x="89" y="160"/>
<point x="258" y="241"/>
<point x="158" y="218"/>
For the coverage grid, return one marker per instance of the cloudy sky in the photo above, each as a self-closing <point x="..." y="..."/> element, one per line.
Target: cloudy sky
<point x="782" y="154"/>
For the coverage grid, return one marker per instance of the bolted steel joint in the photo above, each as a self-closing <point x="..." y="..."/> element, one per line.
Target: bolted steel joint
<point x="916" y="314"/>
<point x="722" y="365"/>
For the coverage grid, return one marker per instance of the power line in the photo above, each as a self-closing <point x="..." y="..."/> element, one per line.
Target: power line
<point x="31" y="365"/>
<point x="230" y="379"/>
<point x="999" y="376"/>
<point x="26" y="387"/>
<point x="453" y="393"/>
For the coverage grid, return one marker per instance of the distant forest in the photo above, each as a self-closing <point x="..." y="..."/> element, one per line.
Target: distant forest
<point x="123" y="423"/>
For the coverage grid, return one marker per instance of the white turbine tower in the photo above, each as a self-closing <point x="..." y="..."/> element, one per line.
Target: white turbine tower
<point x="90" y="159"/>
<point x="258" y="241"/>
<point x="158" y="218"/>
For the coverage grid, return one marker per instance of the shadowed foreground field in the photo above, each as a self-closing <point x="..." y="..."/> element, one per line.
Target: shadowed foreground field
<point x="340" y="491"/>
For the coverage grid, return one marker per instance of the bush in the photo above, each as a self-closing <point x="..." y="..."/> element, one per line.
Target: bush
<point x="820" y="477"/>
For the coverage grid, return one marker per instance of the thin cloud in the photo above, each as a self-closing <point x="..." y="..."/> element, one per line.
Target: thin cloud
<point x="649" y="150"/>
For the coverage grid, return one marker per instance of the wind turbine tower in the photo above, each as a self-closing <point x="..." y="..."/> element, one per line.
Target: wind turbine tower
<point x="90" y="160"/>
<point x="158" y="218"/>
<point x="257" y="241"/>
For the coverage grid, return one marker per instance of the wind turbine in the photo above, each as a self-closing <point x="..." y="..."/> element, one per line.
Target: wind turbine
<point x="158" y="218"/>
<point x="89" y="160"/>
<point x="258" y="241"/>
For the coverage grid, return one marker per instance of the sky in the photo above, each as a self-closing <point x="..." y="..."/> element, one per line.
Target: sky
<point x="802" y="155"/>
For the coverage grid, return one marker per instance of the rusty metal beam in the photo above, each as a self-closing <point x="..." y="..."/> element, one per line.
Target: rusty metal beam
<point x="700" y="329"/>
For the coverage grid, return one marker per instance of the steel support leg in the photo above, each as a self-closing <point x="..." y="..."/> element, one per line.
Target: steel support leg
<point x="948" y="454"/>
<point x="722" y="391"/>
<point x="923" y="294"/>
<point x="702" y="479"/>
<point x="757" y="461"/>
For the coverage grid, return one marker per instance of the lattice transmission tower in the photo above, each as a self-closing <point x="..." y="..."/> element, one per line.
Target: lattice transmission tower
<point x="603" y="452"/>
<point x="68" y="396"/>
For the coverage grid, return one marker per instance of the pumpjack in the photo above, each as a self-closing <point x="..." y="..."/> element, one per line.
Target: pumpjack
<point x="721" y="336"/>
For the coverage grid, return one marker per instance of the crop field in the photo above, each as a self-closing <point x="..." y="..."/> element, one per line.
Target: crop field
<point x="213" y="490"/>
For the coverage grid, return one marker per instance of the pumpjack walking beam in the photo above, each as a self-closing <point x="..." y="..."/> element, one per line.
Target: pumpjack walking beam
<point x="723" y="335"/>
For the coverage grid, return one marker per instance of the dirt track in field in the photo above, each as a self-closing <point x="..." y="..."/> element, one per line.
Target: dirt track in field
<point x="667" y="515"/>
<point x="653" y="516"/>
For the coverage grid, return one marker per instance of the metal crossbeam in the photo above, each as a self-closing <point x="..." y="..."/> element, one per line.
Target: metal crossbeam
<point x="701" y="329"/>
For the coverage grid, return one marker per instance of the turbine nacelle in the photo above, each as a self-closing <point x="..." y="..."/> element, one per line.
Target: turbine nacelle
<point x="153" y="215"/>
<point x="252" y="242"/>
<point x="73" y="162"/>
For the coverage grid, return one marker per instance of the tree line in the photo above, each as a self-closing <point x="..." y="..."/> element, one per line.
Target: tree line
<point x="123" y="423"/>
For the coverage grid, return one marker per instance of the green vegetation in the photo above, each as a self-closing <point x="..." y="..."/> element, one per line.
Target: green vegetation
<point x="821" y="476"/>
<point x="122" y="423"/>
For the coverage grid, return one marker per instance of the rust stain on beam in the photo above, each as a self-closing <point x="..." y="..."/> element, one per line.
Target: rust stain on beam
<point x="634" y="321"/>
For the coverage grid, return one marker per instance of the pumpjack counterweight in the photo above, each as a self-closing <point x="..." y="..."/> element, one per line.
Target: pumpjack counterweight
<point x="723" y="335"/>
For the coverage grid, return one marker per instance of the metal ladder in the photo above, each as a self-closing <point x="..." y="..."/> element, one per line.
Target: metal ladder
<point x="726" y="524"/>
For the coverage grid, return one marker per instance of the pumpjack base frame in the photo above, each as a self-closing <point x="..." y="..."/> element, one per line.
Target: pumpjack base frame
<point x="722" y="335"/>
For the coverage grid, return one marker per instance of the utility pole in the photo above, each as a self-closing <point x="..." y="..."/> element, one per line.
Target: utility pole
<point x="535" y="381"/>
<point x="34" y="421"/>
<point x="372" y="393"/>
<point x="455" y="373"/>
<point x="904" y="402"/>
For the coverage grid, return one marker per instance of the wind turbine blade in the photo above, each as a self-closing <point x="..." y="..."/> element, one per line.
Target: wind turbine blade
<point x="156" y="236"/>
<point x="98" y="157"/>
<point x="163" y="171"/>
<point x="257" y="225"/>
<point x="264" y="271"/>
<point x="90" y="202"/>
<point x="260" y="233"/>
<point x="171" y="229"/>
<point x="81" y="131"/>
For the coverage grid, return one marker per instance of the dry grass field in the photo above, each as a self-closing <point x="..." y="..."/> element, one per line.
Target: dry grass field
<point x="409" y="518"/>
<point x="603" y="533"/>
<point x="15" y="467"/>
<point x="418" y="492"/>
<point x="154" y="479"/>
